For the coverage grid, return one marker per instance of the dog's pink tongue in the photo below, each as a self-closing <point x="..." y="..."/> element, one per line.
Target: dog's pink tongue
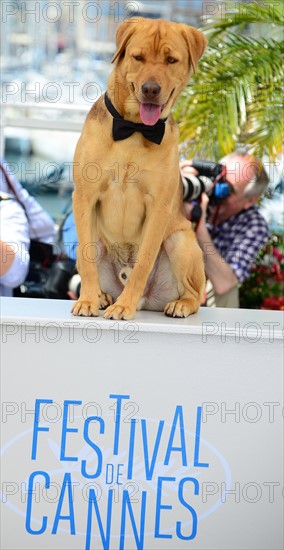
<point x="150" y="113"/>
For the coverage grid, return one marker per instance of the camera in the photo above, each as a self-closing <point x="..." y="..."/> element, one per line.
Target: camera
<point x="211" y="180"/>
<point x="52" y="282"/>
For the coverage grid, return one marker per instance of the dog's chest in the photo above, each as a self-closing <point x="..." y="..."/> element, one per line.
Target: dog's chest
<point x="121" y="208"/>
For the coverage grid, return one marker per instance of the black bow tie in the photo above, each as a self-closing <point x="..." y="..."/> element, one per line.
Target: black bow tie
<point x="122" y="129"/>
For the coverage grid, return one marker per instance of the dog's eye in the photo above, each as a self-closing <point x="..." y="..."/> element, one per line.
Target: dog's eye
<point x="172" y="60"/>
<point x="138" y="57"/>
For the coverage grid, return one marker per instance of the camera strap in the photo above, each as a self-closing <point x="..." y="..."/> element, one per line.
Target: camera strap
<point x="39" y="251"/>
<point x="13" y="190"/>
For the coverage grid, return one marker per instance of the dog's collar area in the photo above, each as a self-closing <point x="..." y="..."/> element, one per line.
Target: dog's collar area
<point x="122" y="129"/>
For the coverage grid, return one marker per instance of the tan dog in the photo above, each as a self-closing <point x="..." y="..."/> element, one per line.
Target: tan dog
<point x="135" y="245"/>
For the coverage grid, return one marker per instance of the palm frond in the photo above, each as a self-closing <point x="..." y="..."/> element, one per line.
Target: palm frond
<point x="238" y="14"/>
<point x="237" y="96"/>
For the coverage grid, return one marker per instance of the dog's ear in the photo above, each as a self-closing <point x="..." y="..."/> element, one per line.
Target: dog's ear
<point x="196" y="43"/>
<point x="123" y="34"/>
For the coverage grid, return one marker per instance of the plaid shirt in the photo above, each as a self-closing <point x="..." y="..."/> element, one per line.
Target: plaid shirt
<point x="239" y="239"/>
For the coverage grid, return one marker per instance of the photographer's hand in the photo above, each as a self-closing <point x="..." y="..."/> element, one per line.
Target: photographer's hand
<point x="186" y="168"/>
<point x="204" y="205"/>
<point x="217" y="270"/>
<point x="7" y="257"/>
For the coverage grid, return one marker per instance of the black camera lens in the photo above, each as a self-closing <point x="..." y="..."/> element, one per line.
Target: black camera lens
<point x="208" y="168"/>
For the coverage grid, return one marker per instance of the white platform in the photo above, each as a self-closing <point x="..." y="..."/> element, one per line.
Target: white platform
<point x="218" y="321"/>
<point x="174" y="425"/>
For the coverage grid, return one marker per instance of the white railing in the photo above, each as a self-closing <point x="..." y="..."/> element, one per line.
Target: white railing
<point x="42" y="116"/>
<point x="30" y="116"/>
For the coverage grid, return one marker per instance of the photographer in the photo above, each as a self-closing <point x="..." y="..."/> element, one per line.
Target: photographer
<point x="232" y="232"/>
<point x="22" y="219"/>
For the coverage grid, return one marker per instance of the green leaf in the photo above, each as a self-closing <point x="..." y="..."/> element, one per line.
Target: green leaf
<point x="237" y="95"/>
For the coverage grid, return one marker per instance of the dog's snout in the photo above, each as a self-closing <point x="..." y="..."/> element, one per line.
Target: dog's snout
<point x="151" y="89"/>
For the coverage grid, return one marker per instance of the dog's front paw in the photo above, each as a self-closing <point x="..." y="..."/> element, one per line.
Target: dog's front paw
<point x="117" y="311"/>
<point x="85" y="308"/>
<point x="181" y="308"/>
<point x="105" y="300"/>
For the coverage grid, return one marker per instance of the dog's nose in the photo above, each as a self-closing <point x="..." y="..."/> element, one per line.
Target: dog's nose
<point x="151" y="89"/>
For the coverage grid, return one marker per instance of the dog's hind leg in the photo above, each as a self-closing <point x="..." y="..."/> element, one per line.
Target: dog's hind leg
<point x="186" y="262"/>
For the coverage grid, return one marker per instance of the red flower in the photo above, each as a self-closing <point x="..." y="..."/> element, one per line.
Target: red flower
<point x="277" y="254"/>
<point x="273" y="303"/>
<point x="275" y="268"/>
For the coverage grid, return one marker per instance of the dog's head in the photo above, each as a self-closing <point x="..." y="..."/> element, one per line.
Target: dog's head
<point x="155" y="58"/>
